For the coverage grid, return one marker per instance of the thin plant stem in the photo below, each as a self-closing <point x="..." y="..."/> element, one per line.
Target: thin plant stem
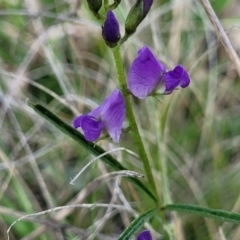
<point x="132" y="121"/>
<point x="162" y="133"/>
<point x="221" y="34"/>
<point x="124" y="39"/>
<point x="105" y="5"/>
<point x="168" y="226"/>
<point x="115" y="4"/>
<point x="162" y="142"/>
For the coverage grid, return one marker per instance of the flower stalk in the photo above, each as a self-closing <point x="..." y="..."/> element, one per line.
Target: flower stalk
<point x="105" y="2"/>
<point x="132" y="121"/>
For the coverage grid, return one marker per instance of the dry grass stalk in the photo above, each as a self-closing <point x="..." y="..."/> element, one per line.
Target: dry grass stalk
<point x="222" y="35"/>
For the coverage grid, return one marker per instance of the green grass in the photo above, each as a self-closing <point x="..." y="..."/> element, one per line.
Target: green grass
<point x="65" y="66"/>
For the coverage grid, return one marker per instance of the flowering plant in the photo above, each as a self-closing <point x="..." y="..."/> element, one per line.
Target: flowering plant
<point x="147" y="76"/>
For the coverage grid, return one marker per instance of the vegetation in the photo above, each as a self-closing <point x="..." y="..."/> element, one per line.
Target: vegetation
<point x="53" y="54"/>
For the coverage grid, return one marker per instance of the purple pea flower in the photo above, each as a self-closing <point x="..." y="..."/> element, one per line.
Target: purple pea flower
<point x="109" y="116"/>
<point x="111" y="30"/>
<point x="144" y="235"/>
<point x="147" y="73"/>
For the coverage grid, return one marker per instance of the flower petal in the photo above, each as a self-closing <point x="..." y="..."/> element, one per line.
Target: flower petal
<point x="144" y="73"/>
<point x="77" y="121"/>
<point x="91" y="127"/>
<point x="177" y="76"/>
<point x="185" y="80"/>
<point x="144" y="235"/>
<point x="113" y="114"/>
<point x="96" y="112"/>
<point x="172" y="78"/>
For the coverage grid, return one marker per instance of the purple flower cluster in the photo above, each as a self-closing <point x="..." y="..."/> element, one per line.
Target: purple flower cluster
<point x="147" y="74"/>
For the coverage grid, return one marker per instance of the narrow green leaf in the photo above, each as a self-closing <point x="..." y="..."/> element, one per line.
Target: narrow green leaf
<point x="94" y="148"/>
<point x="137" y="223"/>
<point x="205" y="212"/>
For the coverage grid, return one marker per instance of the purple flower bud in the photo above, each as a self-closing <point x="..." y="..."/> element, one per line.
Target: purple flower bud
<point x="144" y="235"/>
<point x="109" y="116"/>
<point x="146" y="74"/>
<point x="146" y="6"/>
<point x="110" y="30"/>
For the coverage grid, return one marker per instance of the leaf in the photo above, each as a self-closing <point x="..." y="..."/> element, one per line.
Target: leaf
<point x="95" y="149"/>
<point x="205" y="212"/>
<point x="137" y="223"/>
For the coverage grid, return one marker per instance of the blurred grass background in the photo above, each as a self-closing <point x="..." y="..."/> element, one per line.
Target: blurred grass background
<point x="52" y="52"/>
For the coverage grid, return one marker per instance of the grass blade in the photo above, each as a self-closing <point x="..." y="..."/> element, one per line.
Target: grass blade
<point x="93" y="148"/>
<point x="205" y="212"/>
<point x="136" y="224"/>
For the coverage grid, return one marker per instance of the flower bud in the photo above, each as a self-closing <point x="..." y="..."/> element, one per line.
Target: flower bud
<point x="110" y="30"/>
<point x="136" y="15"/>
<point x="94" y="5"/>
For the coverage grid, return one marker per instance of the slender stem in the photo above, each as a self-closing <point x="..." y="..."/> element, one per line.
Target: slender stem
<point x="124" y="38"/>
<point x="131" y="118"/>
<point x="222" y="34"/>
<point x="115" y="4"/>
<point x="105" y="5"/>
<point x="162" y="142"/>
<point x="168" y="225"/>
<point x="166" y="194"/>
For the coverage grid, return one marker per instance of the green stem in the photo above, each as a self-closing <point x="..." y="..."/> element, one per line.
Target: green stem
<point x="106" y="5"/>
<point x="124" y="38"/>
<point x="166" y="193"/>
<point x="131" y="118"/>
<point x="115" y="4"/>
<point x="168" y="226"/>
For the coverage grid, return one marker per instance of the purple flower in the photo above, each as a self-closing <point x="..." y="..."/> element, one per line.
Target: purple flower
<point x="110" y="30"/>
<point x="147" y="73"/>
<point x="109" y="116"/>
<point x="144" y="235"/>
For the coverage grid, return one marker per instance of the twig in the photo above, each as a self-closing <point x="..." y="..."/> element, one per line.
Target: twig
<point x="123" y="173"/>
<point x="221" y="34"/>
